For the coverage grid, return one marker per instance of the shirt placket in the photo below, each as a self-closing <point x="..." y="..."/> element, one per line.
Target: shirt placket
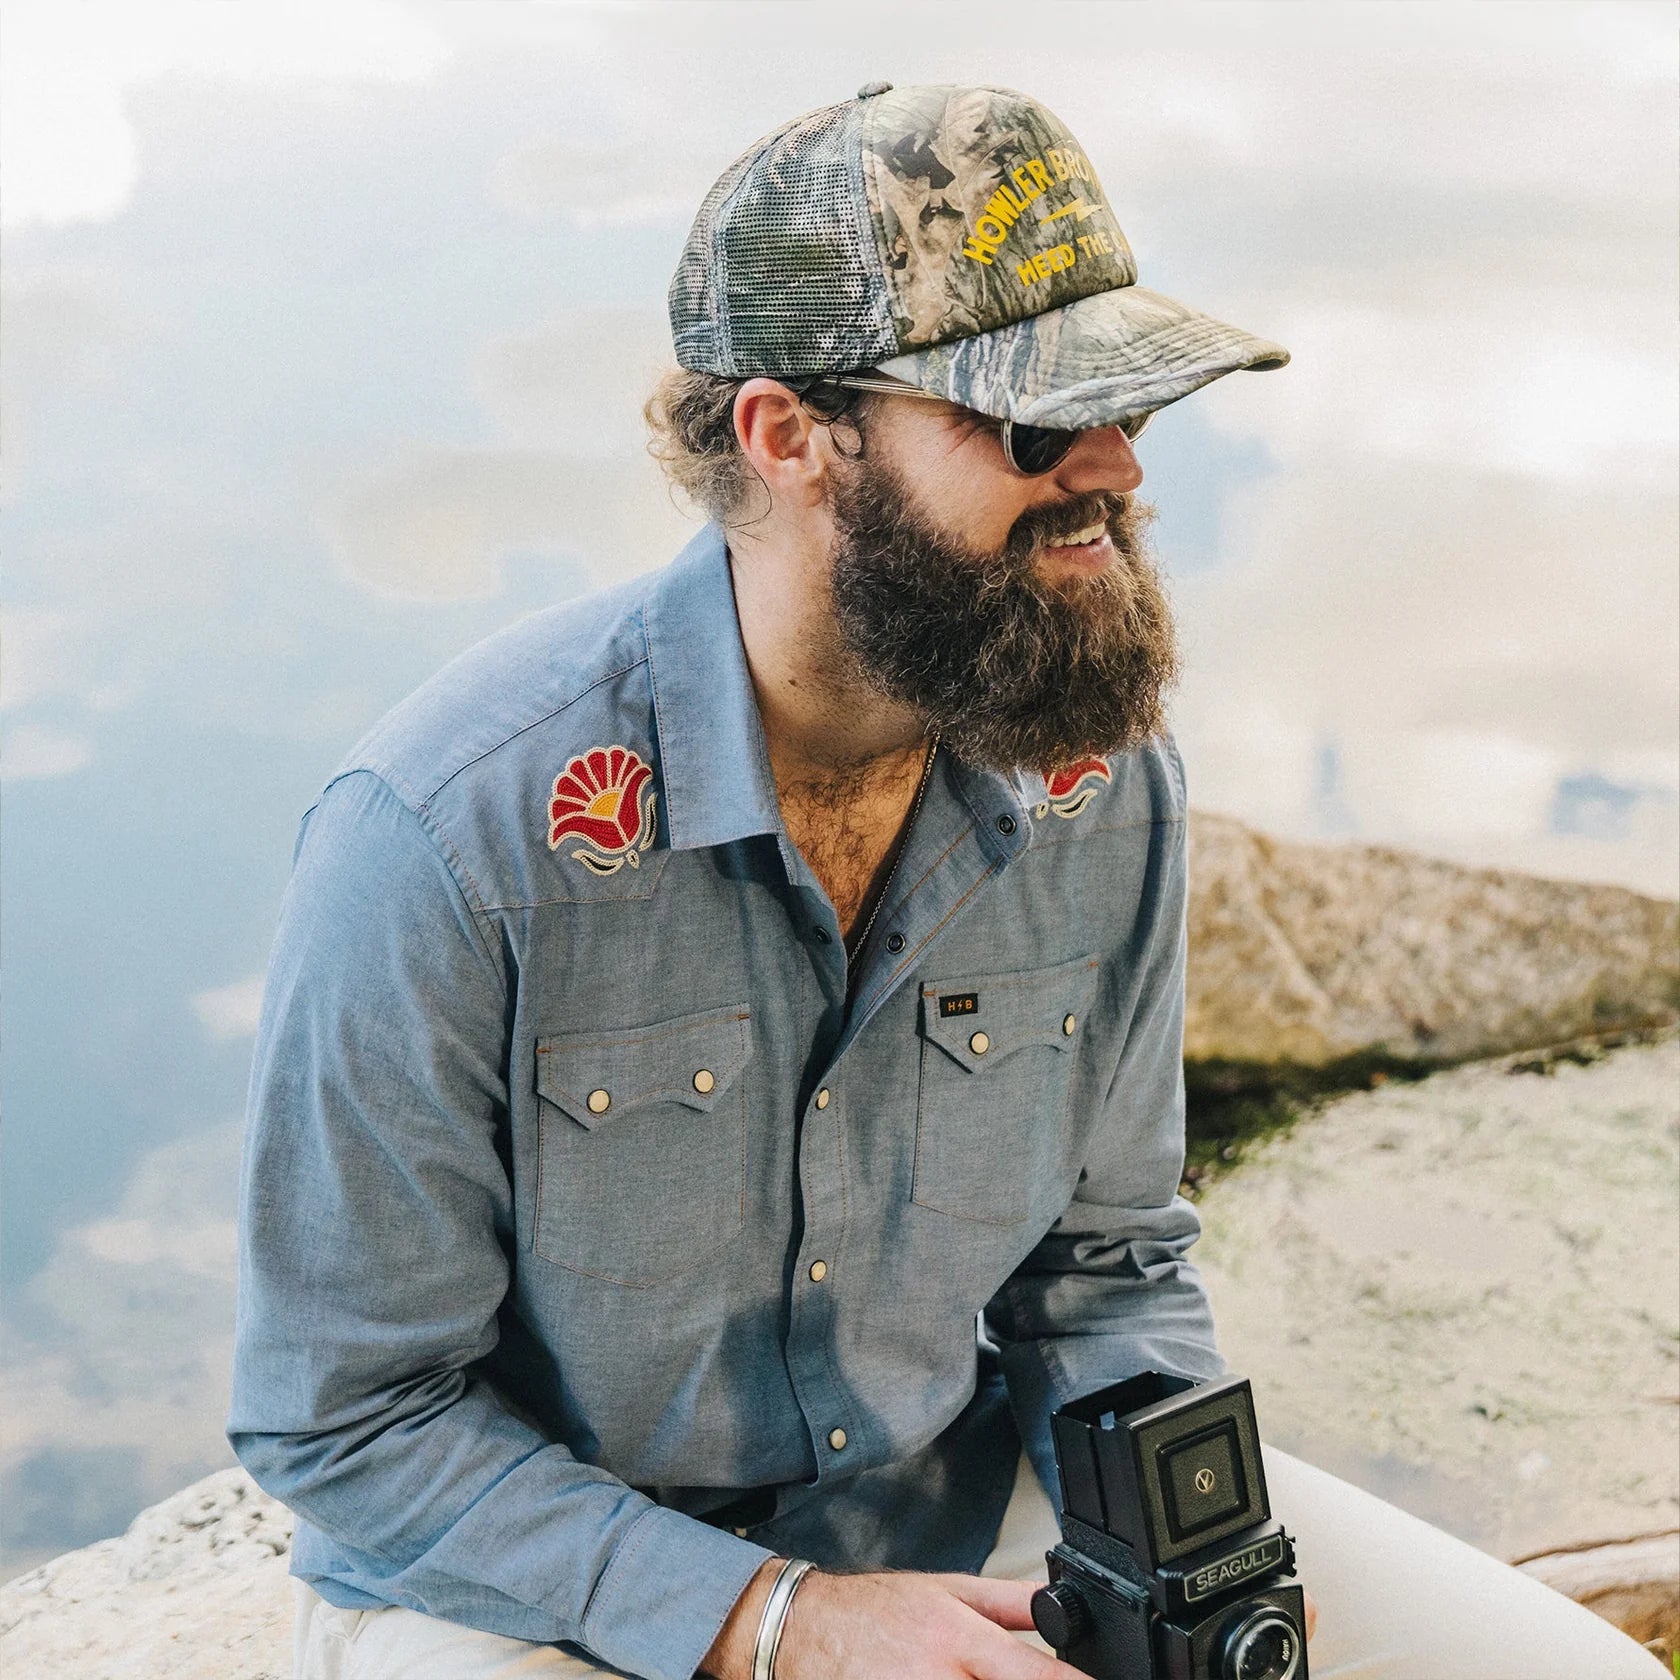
<point x="967" y="835"/>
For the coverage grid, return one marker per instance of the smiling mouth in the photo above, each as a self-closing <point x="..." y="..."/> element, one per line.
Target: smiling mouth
<point x="1077" y="539"/>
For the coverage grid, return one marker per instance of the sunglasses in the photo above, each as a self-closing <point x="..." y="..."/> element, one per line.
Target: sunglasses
<point x="1031" y="450"/>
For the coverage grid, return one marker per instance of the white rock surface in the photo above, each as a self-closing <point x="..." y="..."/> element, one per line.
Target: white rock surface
<point x="195" y="1590"/>
<point x="1464" y="1294"/>
<point x="1308" y="954"/>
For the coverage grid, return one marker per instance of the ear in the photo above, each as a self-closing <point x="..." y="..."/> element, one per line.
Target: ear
<point x="787" y="446"/>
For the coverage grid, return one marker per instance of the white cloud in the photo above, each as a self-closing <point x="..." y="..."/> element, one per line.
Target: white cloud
<point x="1646" y="861"/>
<point x="568" y="177"/>
<point x="203" y="1248"/>
<point x="568" y="475"/>
<point x="1474" y="783"/>
<point x="1509" y="97"/>
<point x="576" y="384"/>
<point x="69" y="146"/>
<point x="1655" y="765"/>
<point x="42" y="653"/>
<point x="1465" y="639"/>
<point x="230" y="1011"/>
<point x="65" y="335"/>
<point x="436" y="524"/>
<point x="31" y="753"/>
<point x="1506" y="379"/>
<point x="125" y="1338"/>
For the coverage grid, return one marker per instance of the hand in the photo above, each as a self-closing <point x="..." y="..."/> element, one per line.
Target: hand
<point x="883" y="1627"/>
<point x="889" y="1626"/>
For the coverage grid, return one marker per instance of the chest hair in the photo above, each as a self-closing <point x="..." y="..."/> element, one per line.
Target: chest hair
<point x="847" y="826"/>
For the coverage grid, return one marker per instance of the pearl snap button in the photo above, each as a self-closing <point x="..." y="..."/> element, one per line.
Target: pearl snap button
<point x="704" y="1082"/>
<point x="819" y="1270"/>
<point x="979" y="1044"/>
<point x="837" y="1439"/>
<point x="599" y="1102"/>
<point x="823" y="1097"/>
<point x="1068" y="1024"/>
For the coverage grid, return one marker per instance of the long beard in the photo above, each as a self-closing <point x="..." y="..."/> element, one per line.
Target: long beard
<point x="1010" y="671"/>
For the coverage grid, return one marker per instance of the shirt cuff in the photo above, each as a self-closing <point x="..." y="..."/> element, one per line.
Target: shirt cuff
<point x="667" y="1591"/>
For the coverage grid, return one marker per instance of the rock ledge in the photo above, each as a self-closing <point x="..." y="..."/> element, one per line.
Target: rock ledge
<point x="1305" y="957"/>
<point x="195" y="1590"/>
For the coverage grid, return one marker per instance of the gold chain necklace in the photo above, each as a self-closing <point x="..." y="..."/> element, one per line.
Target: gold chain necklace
<point x="862" y="939"/>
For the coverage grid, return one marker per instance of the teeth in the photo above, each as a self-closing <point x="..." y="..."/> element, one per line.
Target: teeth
<point x="1089" y="534"/>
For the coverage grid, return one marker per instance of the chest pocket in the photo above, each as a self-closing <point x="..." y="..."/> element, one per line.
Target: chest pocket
<point x="997" y="1061"/>
<point x="642" y="1168"/>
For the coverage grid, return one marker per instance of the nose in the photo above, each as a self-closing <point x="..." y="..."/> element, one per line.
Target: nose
<point x="1102" y="459"/>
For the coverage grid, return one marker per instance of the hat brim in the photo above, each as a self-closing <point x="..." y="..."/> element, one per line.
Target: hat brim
<point x="1094" y="362"/>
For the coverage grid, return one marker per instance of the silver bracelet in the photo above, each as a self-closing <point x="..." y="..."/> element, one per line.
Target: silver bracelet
<point x="775" y="1616"/>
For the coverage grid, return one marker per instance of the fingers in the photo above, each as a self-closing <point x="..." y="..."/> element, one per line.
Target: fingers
<point x="1015" y="1661"/>
<point x="1008" y="1603"/>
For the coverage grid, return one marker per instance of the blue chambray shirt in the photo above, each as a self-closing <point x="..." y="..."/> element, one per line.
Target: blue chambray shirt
<point x="603" y="1236"/>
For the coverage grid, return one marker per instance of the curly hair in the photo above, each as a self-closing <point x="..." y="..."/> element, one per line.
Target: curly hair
<point x="691" y="421"/>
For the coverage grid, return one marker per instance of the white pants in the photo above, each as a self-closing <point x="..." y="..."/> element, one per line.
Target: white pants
<point x="1397" y="1600"/>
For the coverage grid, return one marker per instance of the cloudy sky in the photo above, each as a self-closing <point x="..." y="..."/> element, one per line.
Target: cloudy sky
<point x="325" y="332"/>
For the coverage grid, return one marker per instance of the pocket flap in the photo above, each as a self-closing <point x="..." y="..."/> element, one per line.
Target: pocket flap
<point x="1007" y="1011"/>
<point x="692" y="1060"/>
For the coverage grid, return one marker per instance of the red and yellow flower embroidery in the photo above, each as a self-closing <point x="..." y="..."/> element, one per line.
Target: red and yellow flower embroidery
<point x="604" y="798"/>
<point x="1073" y="787"/>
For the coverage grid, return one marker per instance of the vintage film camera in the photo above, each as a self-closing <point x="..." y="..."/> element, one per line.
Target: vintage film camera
<point x="1169" y="1566"/>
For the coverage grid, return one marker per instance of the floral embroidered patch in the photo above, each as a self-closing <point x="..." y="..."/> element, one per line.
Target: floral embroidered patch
<point x="1073" y="787"/>
<point x="605" y="799"/>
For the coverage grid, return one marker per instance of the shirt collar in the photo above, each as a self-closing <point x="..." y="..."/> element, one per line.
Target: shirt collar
<point x="716" y="769"/>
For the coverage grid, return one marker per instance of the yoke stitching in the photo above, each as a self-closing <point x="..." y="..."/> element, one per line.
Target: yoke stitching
<point x="526" y="728"/>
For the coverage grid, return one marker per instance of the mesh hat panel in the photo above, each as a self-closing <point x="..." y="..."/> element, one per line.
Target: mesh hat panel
<point x="781" y="274"/>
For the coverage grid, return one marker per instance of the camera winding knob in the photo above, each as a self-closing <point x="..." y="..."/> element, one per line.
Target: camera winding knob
<point x="1060" y="1614"/>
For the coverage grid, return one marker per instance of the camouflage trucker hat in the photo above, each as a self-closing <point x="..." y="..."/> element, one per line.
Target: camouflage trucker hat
<point x="954" y="237"/>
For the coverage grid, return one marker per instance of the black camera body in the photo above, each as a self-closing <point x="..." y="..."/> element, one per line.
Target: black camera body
<point x="1170" y="1566"/>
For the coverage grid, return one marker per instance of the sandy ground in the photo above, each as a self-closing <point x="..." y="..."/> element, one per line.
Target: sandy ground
<point x="1464" y="1294"/>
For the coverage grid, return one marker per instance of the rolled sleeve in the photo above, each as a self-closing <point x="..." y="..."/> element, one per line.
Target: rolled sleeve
<point x="1108" y="1291"/>
<point x="376" y="1228"/>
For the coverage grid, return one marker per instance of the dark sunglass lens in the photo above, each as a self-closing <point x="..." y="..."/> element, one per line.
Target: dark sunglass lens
<point x="1036" y="449"/>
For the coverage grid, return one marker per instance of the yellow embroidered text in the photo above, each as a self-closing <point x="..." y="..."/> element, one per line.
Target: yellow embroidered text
<point x="1031" y="181"/>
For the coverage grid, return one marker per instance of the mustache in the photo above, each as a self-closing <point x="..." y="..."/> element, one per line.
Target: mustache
<point x="1037" y="525"/>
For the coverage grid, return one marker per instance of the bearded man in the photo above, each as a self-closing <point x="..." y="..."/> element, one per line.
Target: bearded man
<point x="719" y="1083"/>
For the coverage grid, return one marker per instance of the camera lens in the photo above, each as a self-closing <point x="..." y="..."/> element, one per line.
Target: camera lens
<point x="1264" y="1646"/>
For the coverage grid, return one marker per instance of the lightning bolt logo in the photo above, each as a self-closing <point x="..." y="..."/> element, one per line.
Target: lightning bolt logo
<point x="1079" y="209"/>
